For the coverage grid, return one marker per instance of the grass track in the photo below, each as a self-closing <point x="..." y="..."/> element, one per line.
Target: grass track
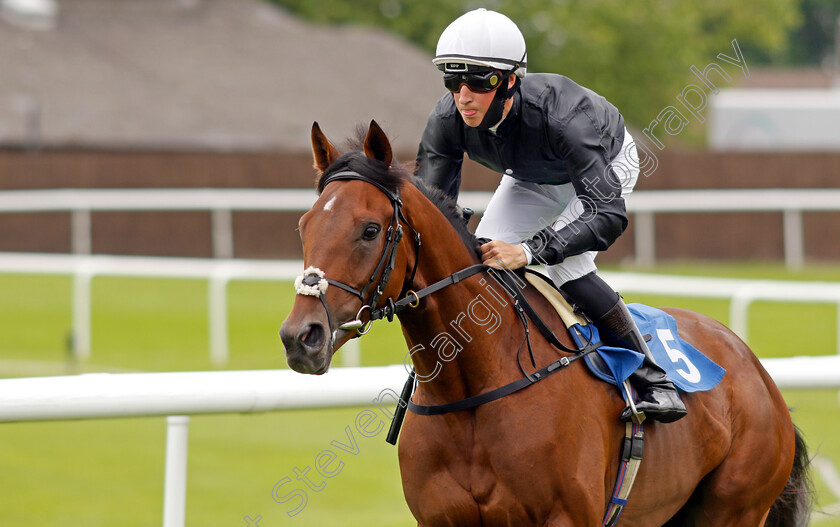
<point x="110" y="472"/>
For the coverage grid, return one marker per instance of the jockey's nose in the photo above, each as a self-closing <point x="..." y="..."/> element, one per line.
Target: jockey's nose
<point x="464" y="93"/>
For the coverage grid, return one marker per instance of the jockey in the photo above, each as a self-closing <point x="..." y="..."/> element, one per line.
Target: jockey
<point x="566" y="160"/>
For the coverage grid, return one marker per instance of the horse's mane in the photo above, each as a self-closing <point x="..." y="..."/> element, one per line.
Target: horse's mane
<point x="451" y="211"/>
<point x="393" y="178"/>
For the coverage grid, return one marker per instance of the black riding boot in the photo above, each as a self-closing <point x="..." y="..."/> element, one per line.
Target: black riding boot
<point x="658" y="397"/>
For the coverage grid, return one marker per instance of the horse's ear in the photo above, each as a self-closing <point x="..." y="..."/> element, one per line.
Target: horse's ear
<point x="322" y="150"/>
<point x="377" y="145"/>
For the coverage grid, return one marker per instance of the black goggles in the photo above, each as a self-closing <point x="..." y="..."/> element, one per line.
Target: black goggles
<point x="481" y="82"/>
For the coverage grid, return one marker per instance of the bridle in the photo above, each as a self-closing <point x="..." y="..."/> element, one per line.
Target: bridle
<point x="313" y="282"/>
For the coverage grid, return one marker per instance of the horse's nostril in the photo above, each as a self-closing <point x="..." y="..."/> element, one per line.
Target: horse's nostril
<point x="313" y="336"/>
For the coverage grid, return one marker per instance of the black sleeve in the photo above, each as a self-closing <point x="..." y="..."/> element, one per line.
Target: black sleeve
<point x="603" y="216"/>
<point x="439" y="157"/>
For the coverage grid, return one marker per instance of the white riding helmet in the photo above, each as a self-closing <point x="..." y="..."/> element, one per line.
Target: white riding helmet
<point x="481" y="39"/>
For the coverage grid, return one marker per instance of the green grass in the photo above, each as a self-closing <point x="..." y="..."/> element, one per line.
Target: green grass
<point x="110" y="472"/>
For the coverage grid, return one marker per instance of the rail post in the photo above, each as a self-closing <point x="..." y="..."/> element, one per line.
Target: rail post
<point x="175" y="477"/>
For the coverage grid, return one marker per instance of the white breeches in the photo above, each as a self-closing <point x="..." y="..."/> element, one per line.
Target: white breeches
<point x="519" y="209"/>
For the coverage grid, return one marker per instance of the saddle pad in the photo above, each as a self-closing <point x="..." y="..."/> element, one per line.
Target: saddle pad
<point x="686" y="367"/>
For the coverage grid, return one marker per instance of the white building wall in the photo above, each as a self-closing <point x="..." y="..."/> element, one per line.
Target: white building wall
<point x="775" y="119"/>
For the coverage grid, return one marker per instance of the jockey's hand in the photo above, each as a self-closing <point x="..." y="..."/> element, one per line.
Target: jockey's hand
<point x="502" y="255"/>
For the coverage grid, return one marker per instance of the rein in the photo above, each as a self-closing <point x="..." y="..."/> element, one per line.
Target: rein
<point x="313" y="282"/>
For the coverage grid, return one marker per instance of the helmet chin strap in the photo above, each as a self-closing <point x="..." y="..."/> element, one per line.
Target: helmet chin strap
<point x="497" y="107"/>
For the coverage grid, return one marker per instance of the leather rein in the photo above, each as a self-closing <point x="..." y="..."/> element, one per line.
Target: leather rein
<point x="313" y="282"/>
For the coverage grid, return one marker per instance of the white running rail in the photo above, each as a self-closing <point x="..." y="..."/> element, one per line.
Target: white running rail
<point x="220" y="272"/>
<point x="177" y="395"/>
<point x="741" y="292"/>
<point x="217" y="272"/>
<point x="221" y="202"/>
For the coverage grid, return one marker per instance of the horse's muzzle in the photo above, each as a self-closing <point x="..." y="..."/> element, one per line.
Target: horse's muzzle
<point x="306" y="346"/>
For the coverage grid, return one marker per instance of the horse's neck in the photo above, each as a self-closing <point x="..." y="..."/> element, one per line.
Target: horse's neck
<point x="457" y="332"/>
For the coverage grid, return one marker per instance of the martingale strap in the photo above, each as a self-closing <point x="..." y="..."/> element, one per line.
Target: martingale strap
<point x="524" y="308"/>
<point x="502" y="391"/>
<point x="413" y="299"/>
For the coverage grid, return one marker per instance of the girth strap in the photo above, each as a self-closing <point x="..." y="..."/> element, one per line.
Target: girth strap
<point x="631" y="460"/>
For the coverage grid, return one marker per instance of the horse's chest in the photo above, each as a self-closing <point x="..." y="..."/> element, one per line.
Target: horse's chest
<point x="478" y="500"/>
<point x="508" y="465"/>
<point x="486" y="484"/>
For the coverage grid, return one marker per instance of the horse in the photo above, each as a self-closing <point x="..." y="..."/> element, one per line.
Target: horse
<point x="547" y="455"/>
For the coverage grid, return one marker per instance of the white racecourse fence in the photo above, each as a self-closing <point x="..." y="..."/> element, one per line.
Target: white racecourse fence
<point x="220" y="272"/>
<point x="644" y="205"/>
<point x="177" y="395"/>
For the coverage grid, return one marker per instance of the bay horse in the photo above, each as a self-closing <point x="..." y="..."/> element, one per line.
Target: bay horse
<point x="547" y="455"/>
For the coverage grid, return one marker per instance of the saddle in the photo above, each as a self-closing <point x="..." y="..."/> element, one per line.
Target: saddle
<point x="555" y="297"/>
<point x="569" y="316"/>
<point x="688" y="368"/>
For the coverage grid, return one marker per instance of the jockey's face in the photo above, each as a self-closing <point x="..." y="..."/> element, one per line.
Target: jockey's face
<point x="474" y="105"/>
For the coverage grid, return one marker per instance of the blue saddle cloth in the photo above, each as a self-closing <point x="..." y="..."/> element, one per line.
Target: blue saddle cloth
<point x="687" y="368"/>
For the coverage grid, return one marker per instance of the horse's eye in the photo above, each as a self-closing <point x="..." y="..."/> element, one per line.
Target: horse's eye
<point x="371" y="231"/>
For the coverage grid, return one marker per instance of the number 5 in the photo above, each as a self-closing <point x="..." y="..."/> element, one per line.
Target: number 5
<point x="677" y="356"/>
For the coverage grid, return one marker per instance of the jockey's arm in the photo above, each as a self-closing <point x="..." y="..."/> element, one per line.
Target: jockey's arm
<point x="602" y="217"/>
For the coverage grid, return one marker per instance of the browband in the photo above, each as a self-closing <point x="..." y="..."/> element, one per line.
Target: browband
<point x="394" y="196"/>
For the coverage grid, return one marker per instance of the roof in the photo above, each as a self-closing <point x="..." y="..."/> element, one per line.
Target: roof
<point x="217" y="74"/>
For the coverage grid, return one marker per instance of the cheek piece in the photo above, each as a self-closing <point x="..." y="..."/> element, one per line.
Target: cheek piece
<point x="497" y="106"/>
